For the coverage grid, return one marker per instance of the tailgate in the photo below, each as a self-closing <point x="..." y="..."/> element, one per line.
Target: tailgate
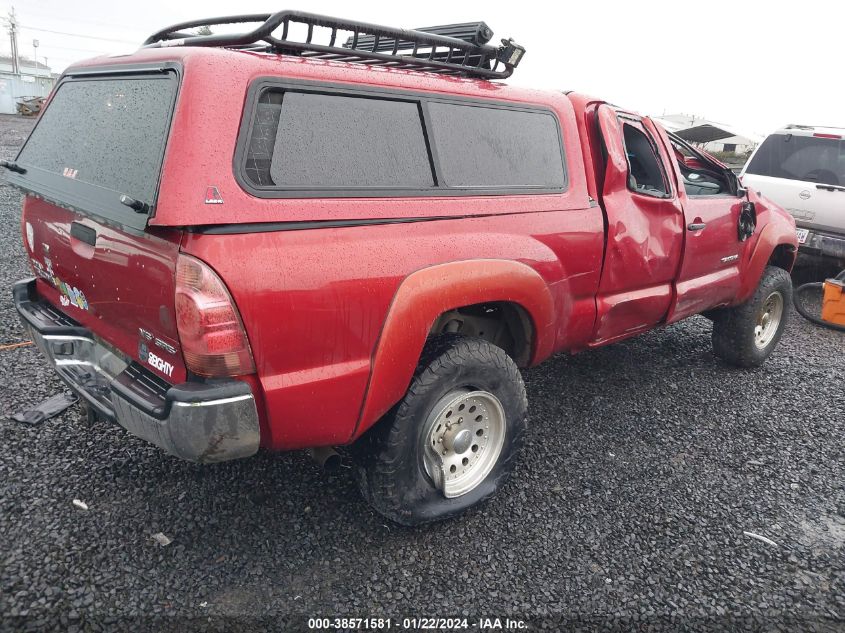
<point x="91" y="168"/>
<point x="118" y="284"/>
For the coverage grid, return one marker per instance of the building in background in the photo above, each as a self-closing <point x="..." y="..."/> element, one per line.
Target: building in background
<point x="712" y="137"/>
<point x="34" y="80"/>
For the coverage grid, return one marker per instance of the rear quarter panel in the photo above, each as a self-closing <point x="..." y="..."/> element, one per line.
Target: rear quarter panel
<point x="314" y="302"/>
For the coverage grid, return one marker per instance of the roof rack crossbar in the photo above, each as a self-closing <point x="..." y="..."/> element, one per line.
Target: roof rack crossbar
<point x="457" y="49"/>
<point x="477" y="33"/>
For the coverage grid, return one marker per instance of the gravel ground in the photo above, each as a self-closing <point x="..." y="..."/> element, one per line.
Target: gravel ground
<point x="644" y="465"/>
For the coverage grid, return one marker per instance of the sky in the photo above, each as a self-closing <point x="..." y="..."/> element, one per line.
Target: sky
<point x="750" y="64"/>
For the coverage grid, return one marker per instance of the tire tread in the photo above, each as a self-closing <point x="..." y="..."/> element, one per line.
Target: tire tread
<point x="733" y="328"/>
<point x="379" y="458"/>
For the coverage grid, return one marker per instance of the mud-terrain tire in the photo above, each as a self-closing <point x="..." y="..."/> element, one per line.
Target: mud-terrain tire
<point x="747" y="334"/>
<point x="394" y="468"/>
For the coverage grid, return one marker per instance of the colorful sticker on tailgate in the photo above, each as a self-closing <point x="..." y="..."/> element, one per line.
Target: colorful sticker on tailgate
<point x="71" y="295"/>
<point x="68" y="295"/>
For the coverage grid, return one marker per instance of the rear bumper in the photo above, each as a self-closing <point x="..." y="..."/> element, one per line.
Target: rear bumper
<point x="824" y="244"/>
<point x="200" y="422"/>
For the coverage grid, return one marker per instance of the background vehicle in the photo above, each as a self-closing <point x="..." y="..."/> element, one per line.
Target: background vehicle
<point x="802" y="168"/>
<point x="262" y="250"/>
<point x="29" y="106"/>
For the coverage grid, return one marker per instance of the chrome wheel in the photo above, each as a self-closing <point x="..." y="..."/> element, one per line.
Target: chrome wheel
<point x="464" y="435"/>
<point x="768" y="321"/>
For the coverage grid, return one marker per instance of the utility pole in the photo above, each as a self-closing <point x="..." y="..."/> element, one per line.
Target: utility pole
<point x="35" y="55"/>
<point x="13" y="34"/>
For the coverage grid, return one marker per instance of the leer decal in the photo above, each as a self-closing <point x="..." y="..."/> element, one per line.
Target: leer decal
<point x="212" y="195"/>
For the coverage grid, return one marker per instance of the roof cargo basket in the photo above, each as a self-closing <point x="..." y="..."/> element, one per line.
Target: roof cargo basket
<point x="456" y="49"/>
<point x="476" y="33"/>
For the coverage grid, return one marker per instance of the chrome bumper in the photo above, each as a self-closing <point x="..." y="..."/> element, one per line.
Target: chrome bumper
<point x="200" y="422"/>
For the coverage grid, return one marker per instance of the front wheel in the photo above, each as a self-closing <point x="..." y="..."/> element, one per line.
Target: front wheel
<point x="747" y="334"/>
<point x="451" y="442"/>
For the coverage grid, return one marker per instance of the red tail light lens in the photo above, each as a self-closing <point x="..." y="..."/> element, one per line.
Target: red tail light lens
<point x="212" y="335"/>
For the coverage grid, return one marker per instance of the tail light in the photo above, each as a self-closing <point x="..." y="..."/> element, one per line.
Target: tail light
<point x="212" y="335"/>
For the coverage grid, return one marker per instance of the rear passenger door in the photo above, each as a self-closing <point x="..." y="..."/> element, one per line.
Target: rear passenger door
<point x="645" y="225"/>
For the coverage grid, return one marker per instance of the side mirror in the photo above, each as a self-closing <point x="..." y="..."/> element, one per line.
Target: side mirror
<point x="747" y="221"/>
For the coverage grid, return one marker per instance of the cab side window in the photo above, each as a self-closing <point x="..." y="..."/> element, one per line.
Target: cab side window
<point x="645" y="171"/>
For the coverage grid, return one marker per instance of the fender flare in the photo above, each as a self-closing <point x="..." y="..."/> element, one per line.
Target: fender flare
<point x="429" y="292"/>
<point x="773" y="235"/>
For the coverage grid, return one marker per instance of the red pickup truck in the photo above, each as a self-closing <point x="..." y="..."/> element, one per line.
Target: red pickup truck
<point x="251" y="241"/>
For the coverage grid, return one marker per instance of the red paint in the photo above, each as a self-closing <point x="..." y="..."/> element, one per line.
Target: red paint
<point x="315" y="307"/>
<point x="429" y="292"/>
<point x="644" y="242"/>
<point x="774" y="228"/>
<point x="127" y="279"/>
<point x="336" y="318"/>
<point x="708" y="276"/>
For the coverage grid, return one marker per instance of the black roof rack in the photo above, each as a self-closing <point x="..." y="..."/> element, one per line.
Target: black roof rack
<point x="456" y="49"/>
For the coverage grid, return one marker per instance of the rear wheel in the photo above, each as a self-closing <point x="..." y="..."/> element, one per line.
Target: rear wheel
<point x="747" y="334"/>
<point x="450" y="443"/>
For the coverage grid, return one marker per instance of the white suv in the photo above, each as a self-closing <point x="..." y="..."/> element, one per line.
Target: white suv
<point x="802" y="168"/>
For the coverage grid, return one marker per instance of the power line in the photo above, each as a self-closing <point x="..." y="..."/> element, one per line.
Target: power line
<point x="89" y="37"/>
<point x="78" y="50"/>
<point x="47" y="16"/>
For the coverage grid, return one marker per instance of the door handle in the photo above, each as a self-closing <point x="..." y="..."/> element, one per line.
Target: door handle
<point x="696" y="226"/>
<point x="83" y="233"/>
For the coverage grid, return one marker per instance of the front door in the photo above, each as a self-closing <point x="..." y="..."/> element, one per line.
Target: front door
<point x="713" y="252"/>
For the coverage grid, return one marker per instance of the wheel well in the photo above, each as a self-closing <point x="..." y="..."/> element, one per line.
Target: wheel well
<point x="783" y="257"/>
<point x="502" y="323"/>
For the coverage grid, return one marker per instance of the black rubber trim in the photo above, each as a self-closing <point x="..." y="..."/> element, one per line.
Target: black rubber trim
<point x="308" y="225"/>
<point x="267" y="227"/>
<point x="158" y="405"/>
<point x="128" y="385"/>
<point x="123" y="69"/>
<point x="191" y="392"/>
<point x="23" y="293"/>
<point x="23" y="290"/>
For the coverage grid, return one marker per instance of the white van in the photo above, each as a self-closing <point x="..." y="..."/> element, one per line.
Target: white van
<point x="802" y="168"/>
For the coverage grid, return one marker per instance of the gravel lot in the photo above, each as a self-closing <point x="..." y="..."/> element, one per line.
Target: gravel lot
<point x="644" y="465"/>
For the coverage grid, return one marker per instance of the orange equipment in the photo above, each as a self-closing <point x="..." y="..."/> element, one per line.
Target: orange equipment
<point x="833" y="304"/>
